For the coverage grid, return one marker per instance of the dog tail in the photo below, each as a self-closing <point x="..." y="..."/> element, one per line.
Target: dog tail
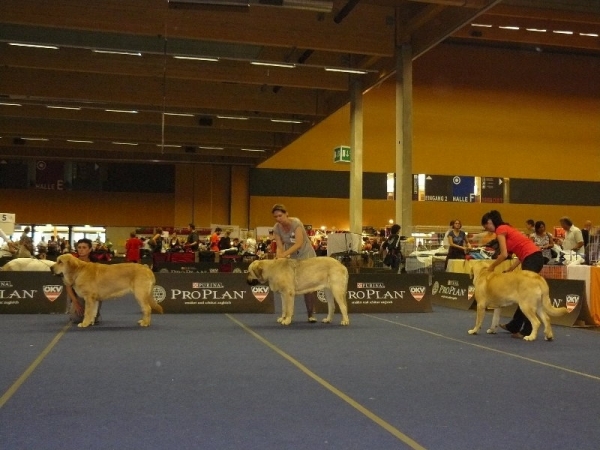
<point x="547" y="304"/>
<point x="154" y="305"/>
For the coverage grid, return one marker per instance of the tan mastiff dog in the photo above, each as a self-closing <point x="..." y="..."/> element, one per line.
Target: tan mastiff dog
<point x="290" y="277"/>
<point x="95" y="282"/>
<point x="528" y="289"/>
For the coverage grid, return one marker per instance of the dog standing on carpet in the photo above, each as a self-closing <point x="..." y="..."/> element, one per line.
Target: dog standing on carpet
<point x="290" y="277"/>
<point x="95" y="282"/>
<point x="528" y="289"/>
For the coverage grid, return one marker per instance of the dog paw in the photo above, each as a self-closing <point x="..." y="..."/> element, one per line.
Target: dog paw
<point x="83" y="325"/>
<point x="472" y="331"/>
<point x="549" y="338"/>
<point x="491" y="331"/>
<point x="345" y="323"/>
<point x="143" y="323"/>
<point x="286" y="320"/>
<point x="280" y="319"/>
<point x="326" y="320"/>
<point x="529" y="338"/>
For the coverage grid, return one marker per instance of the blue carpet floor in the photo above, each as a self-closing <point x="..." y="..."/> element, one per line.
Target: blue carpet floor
<point x="244" y="382"/>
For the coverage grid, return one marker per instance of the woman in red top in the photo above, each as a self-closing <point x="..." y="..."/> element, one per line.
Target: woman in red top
<point x="133" y="246"/>
<point x="511" y="240"/>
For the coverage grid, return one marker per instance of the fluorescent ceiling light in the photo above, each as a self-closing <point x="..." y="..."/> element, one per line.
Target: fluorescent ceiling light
<point x="197" y="58"/>
<point x="10" y="104"/>
<point x="484" y="25"/>
<point x="114" y="52"/>
<point x="19" y="44"/>
<point x="168" y="145"/>
<point x="210" y="148"/>
<point x="509" y="28"/>
<point x="285" y="121"/>
<point x="537" y="30"/>
<point x="77" y="141"/>
<point x="63" y="107"/>
<point x="127" y="111"/>
<point x="273" y="64"/>
<point x="124" y="143"/>
<point x="335" y="69"/>
<point x="589" y="34"/>
<point x="232" y="117"/>
<point x="253" y="150"/>
<point x="562" y="32"/>
<point x="179" y="114"/>
<point x="34" y="139"/>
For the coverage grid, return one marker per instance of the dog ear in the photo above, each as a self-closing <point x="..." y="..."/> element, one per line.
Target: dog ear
<point x="258" y="271"/>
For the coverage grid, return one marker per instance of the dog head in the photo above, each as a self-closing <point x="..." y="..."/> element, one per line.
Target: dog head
<point x="255" y="273"/>
<point x="63" y="264"/>
<point x="479" y="268"/>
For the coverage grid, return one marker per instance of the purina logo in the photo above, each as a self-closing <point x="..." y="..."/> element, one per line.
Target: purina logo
<point x="260" y="292"/>
<point x="159" y="293"/>
<point x="216" y="285"/>
<point x="418" y="292"/>
<point x="572" y="301"/>
<point x="370" y="285"/>
<point x="435" y="288"/>
<point x="52" y="291"/>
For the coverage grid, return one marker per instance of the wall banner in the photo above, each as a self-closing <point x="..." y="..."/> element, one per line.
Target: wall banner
<point x="214" y="293"/>
<point x="453" y="290"/>
<point x="32" y="293"/>
<point x="384" y="293"/>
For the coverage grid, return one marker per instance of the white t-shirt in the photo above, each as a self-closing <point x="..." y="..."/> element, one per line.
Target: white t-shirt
<point x="572" y="238"/>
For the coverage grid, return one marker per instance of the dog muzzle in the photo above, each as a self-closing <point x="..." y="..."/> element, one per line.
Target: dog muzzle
<point x="252" y="282"/>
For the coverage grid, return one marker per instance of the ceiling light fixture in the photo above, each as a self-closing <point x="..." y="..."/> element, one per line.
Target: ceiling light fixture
<point x="342" y="70"/>
<point x="115" y="52"/>
<point x="536" y="30"/>
<point x="178" y="114"/>
<point x="253" y="150"/>
<point x="562" y="32"/>
<point x="126" y="111"/>
<point x="273" y="64"/>
<point x="63" y="107"/>
<point x="484" y="25"/>
<point x="232" y="117"/>
<point x="10" y="104"/>
<point x="197" y="58"/>
<point x="509" y="28"/>
<point x="285" y="121"/>
<point x="210" y="148"/>
<point x="78" y="141"/>
<point x="589" y="34"/>
<point x="169" y="145"/>
<point x="20" y="44"/>
<point x="124" y="143"/>
<point x="35" y="139"/>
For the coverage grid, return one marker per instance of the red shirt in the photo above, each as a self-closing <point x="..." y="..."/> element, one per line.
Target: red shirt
<point x="517" y="242"/>
<point x="133" y="246"/>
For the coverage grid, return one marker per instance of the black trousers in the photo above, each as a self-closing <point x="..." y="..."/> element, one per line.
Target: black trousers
<point x="520" y="323"/>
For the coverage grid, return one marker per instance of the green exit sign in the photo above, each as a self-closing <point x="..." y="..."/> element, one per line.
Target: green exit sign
<point x="341" y="154"/>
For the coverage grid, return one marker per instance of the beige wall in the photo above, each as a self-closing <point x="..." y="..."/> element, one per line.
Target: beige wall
<point x="477" y="111"/>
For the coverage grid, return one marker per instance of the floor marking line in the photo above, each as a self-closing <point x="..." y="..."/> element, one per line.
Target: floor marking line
<point x="17" y="384"/>
<point x="483" y="347"/>
<point x="378" y="420"/>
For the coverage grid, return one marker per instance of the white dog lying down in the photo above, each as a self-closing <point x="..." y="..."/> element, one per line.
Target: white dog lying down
<point x="95" y="282"/>
<point x="290" y="277"/>
<point x="528" y="289"/>
<point x="27" y="265"/>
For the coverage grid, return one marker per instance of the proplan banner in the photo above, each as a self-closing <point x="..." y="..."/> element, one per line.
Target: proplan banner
<point x="453" y="290"/>
<point x="211" y="293"/>
<point x="384" y="293"/>
<point x="31" y="293"/>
